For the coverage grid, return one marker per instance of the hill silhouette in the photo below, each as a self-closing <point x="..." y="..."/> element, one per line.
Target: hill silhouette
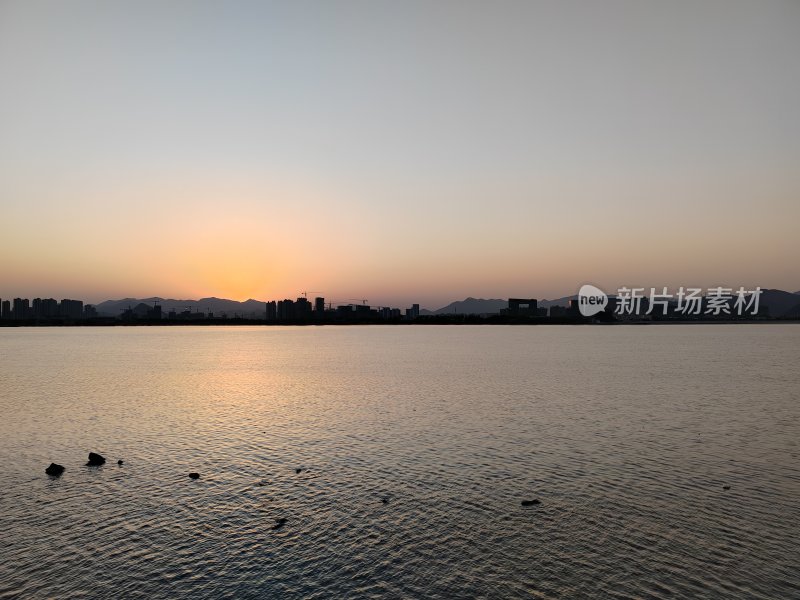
<point x="218" y="306"/>
<point x="780" y="304"/>
<point x="472" y="306"/>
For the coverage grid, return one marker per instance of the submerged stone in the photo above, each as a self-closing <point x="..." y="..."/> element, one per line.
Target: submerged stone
<point x="95" y="460"/>
<point x="530" y="502"/>
<point x="194" y="475"/>
<point x="54" y="470"/>
<point x="279" y="523"/>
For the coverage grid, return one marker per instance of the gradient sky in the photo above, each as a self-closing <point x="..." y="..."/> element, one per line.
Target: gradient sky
<point x="399" y="152"/>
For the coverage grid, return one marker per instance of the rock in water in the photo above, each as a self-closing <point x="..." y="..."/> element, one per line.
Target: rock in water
<point x="95" y="460"/>
<point x="530" y="502"/>
<point x="120" y="462"/>
<point x="298" y="470"/>
<point x="194" y="475"/>
<point x="54" y="470"/>
<point x="726" y="487"/>
<point x="279" y="523"/>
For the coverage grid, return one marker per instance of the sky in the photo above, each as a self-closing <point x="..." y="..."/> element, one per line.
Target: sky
<point x="396" y="151"/>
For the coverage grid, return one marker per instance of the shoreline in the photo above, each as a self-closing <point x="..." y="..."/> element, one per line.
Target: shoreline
<point x="420" y="322"/>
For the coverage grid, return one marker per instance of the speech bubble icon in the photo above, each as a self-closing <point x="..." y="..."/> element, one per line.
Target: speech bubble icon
<point x="591" y="300"/>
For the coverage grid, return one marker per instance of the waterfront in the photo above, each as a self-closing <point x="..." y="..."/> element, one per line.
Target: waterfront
<point x="417" y="445"/>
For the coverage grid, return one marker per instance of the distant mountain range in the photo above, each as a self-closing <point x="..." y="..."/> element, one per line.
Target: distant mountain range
<point x="470" y="306"/>
<point x="478" y="306"/>
<point x="248" y="308"/>
<point x="780" y="303"/>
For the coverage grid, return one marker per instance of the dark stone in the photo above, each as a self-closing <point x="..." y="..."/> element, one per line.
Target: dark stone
<point x="298" y="470"/>
<point x="726" y="487"/>
<point x="120" y="462"/>
<point x="279" y="523"/>
<point x="54" y="470"/>
<point x="385" y="500"/>
<point x="194" y="475"/>
<point x="95" y="460"/>
<point x="530" y="502"/>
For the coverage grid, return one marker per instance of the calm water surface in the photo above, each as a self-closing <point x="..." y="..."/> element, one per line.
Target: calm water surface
<point x="417" y="445"/>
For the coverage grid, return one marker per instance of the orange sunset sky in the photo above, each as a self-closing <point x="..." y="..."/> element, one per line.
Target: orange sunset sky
<point x="399" y="152"/>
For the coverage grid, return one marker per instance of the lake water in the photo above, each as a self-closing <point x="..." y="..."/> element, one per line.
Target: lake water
<point x="417" y="446"/>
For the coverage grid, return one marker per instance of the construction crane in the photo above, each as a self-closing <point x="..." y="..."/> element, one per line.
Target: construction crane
<point x="305" y="294"/>
<point x="362" y="300"/>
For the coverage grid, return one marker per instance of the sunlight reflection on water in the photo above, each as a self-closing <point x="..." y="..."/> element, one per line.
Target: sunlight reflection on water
<point x="417" y="445"/>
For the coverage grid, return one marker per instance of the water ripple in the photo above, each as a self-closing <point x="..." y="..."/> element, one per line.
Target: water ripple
<point x="416" y="446"/>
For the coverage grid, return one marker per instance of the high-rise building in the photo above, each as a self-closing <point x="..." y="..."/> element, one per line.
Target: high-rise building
<point x="522" y="307"/>
<point x="21" y="308"/>
<point x="302" y="309"/>
<point x="413" y="312"/>
<point x="5" y="309"/>
<point x="272" y="311"/>
<point x="319" y="306"/>
<point x="44" y="308"/>
<point x="71" y="309"/>
<point x="49" y="308"/>
<point x="285" y="310"/>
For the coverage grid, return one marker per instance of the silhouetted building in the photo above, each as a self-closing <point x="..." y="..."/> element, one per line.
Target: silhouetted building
<point x="48" y="308"/>
<point x="5" y="310"/>
<point x="518" y="307"/>
<point x="345" y="311"/>
<point x="319" y="306"/>
<point x="272" y="311"/>
<point x="285" y="310"/>
<point x="71" y="309"/>
<point x="573" y="308"/>
<point x="21" y="308"/>
<point x="302" y="309"/>
<point x="558" y="311"/>
<point x="89" y="312"/>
